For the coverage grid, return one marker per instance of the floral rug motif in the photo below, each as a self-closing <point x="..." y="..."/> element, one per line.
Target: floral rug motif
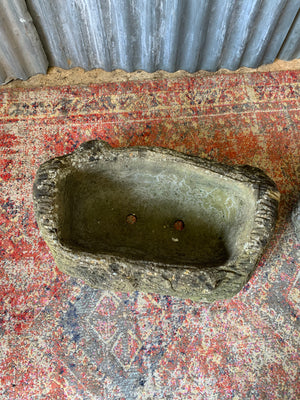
<point x="60" y="339"/>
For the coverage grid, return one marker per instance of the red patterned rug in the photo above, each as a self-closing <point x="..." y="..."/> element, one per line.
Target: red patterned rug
<point x="60" y="339"/>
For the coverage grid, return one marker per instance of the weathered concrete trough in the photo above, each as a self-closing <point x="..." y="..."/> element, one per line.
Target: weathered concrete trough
<point x="154" y="220"/>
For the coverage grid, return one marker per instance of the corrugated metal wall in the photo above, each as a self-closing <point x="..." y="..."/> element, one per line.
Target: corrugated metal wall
<point x="145" y="34"/>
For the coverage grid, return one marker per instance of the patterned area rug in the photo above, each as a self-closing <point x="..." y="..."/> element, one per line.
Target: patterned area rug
<point x="60" y="339"/>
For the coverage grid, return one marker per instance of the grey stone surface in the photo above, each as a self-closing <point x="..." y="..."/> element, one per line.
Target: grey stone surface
<point x="296" y="219"/>
<point x="154" y="220"/>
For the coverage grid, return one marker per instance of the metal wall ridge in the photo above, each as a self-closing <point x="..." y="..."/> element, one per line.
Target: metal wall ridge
<point x="21" y="51"/>
<point x="145" y="35"/>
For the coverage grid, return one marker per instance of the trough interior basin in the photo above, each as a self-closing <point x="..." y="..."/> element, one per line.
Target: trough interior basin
<point x="129" y="208"/>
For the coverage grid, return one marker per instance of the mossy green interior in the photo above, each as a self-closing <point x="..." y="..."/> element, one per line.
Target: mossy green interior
<point x="95" y="201"/>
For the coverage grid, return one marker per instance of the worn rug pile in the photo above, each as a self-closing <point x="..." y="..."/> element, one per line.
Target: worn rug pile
<point x="59" y="338"/>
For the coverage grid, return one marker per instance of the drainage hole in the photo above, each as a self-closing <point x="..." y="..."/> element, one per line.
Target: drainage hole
<point x="131" y="219"/>
<point x="179" y="225"/>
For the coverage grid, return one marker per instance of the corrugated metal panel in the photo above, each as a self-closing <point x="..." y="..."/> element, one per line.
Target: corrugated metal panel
<point x="158" y="34"/>
<point x="291" y="46"/>
<point x="21" y="51"/>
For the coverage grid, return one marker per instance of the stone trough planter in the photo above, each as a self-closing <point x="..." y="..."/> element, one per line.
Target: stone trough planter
<point x="154" y="220"/>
